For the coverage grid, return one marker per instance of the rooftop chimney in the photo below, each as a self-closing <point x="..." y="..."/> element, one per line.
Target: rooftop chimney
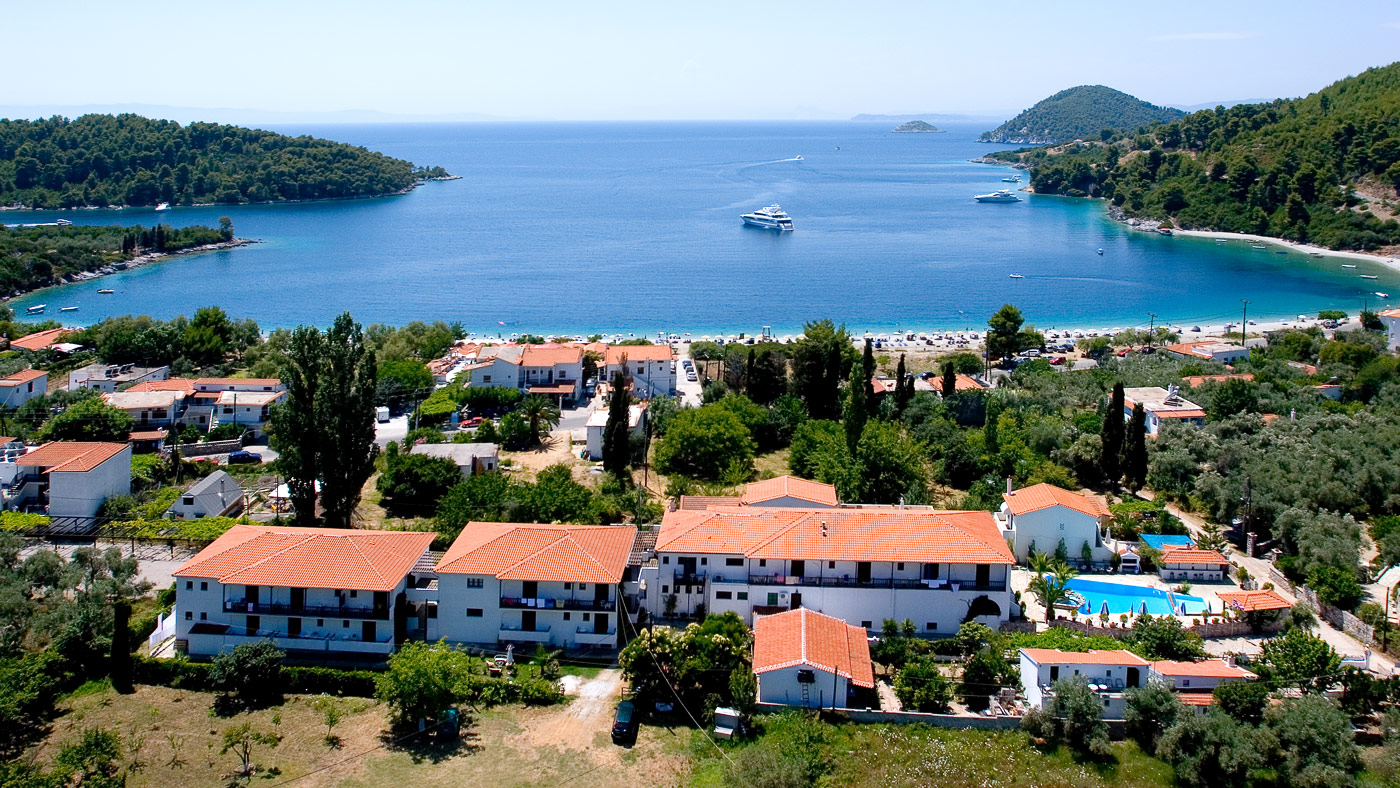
<point x="1008" y="486"/>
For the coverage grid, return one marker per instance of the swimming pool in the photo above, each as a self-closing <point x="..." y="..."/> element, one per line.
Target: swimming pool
<point x="1125" y="598"/>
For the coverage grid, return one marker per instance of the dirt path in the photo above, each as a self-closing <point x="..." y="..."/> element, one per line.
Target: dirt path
<point x="577" y="724"/>
<point x="552" y="451"/>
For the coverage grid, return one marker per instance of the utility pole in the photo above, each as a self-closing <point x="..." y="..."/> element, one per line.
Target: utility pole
<point x="1151" y="327"/>
<point x="1244" y="322"/>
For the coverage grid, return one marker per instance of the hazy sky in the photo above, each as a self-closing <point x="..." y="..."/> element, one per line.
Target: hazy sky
<point x="679" y="60"/>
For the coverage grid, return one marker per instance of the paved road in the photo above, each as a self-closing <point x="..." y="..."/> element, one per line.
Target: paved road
<point x="688" y="391"/>
<point x="392" y="430"/>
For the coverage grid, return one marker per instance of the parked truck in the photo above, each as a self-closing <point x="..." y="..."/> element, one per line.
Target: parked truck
<point x="381" y="413"/>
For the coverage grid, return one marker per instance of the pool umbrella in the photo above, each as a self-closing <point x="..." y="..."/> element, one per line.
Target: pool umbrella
<point x="1103" y="608"/>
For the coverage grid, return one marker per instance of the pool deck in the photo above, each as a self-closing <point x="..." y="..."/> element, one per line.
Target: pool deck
<point x="1021" y="578"/>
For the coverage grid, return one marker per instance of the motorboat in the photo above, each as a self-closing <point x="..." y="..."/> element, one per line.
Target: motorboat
<point x="68" y="309"/>
<point x="106" y="291"/>
<point x="165" y="206"/>
<point x="1100" y="252"/>
<point x="1258" y="246"/>
<point x="1012" y="179"/>
<point x="1017" y="276"/>
<point x="63" y="222"/>
<point x="771" y="218"/>
<point x="1000" y="195"/>
<point x="1382" y="295"/>
<point x="1344" y="265"/>
<point x="36" y="309"/>
<point x="1369" y="276"/>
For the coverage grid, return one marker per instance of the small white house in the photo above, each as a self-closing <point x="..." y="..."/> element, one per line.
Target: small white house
<point x="1390" y="318"/>
<point x="598" y="422"/>
<point x="110" y="377"/>
<point x="650" y="368"/>
<point x="1203" y="676"/>
<point x="1109" y="673"/>
<point x="1189" y="563"/>
<point x="23" y="386"/>
<point x="215" y="495"/>
<point x="70" y="479"/>
<point x="1039" y="517"/>
<point x="1161" y="405"/>
<point x="806" y="659"/>
<point x="148" y="409"/>
<point x="472" y="459"/>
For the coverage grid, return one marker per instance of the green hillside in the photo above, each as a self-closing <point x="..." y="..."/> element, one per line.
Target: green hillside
<point x="1078" y="113"/>
<point x="102" y="160"/>
<point x="32" y="257"/>
<point x="1323" y="169"/>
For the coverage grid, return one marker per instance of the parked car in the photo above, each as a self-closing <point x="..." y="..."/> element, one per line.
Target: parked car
<point x="690" y="376"/>
<point x="242" y="457"/>
<point x="1057" y="360"/>
<point x="624" y="729"/>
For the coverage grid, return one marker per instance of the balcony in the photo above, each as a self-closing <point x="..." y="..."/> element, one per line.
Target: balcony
<point x="313" y="611"/>
<point x="585" y="636"/>
<point x="513" y="633"/>
<point x="207" y="640"/>
<point x="877" y="582"/>
<point x="541" y="603"/>
<point x="690" y="579"/>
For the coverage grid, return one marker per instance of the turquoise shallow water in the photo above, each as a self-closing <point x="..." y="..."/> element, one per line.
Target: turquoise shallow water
<point x="1124" y="598"/>
<point x="633" y="227"/>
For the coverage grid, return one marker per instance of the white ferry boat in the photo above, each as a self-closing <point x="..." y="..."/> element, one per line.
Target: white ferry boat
<point x="165" y="206"/>
<point x="771" y="218"/>
<point x="1000" y="195"/>
<point x="36" y="309"/>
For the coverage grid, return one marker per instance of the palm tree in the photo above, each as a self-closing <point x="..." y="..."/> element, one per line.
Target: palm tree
<point x="1051" y="582"/>
<point x="541" y="413"/>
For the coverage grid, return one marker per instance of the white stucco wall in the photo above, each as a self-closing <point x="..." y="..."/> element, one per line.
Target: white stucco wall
<point x="74" y="494"/>
<point x="1044" y="528"/>
<point x="782" y="686"/>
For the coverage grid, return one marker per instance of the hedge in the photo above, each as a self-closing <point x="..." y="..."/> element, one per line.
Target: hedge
<point x="187" y="675"/>
<point x="19" y="521"/>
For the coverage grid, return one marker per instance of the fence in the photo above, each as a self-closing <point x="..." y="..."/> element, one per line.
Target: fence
<point x="165" y="629"/>
<point x="206" y="449"/>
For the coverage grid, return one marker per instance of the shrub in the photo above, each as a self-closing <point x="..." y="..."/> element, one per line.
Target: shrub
<point x="251" y="671"/>
<point x="921" y="687"/>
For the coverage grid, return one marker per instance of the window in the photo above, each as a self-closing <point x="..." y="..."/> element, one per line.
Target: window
<point x="204" y="585"/>
<point x="566" y="616"/>
<point x="585" y="616"/>
<point x="665" y="589"/>
<point x="354" y="594"/>
<point x="733" y="562"/>
<point x="865" y="624"/>
<point x="583" y="586"/>
<point x="568" y="586"/>
<point x="830" y="564"/>
<point x="899" y="566"/>
<point x="188" y="500"/>
<point x="203" y="616"/>
<point x="931" y="626"/>
<point x="1186" y="682"/>
<point x="320" y="622"/>
<point x="665" y="559"/>
<point x="743" y="595"/>
<point x="704" y="561"/>
<point x="189" y="616"/>
<point x="345" y="625"/>
<point x="473" y="612"/>
<point x="724" y="595"/>
<point x="485" y="378"/>
<point x="763" y="562"/>
<point x="189" y="585"/>
<point x="475" y="582"/>
<point x="432" y="610"/>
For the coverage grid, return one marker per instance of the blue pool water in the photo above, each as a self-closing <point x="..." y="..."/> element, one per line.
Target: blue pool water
<point x="1124" y="598"/>
<point x="634" y="227"/>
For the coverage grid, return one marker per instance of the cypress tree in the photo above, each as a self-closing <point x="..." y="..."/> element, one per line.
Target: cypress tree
<point x="867" y="369"/>
<point x="616" y="436"/>
<point x="748" y="370"/>
<point x="1111" y="435"/>
<point x="121" y="646"/>
<point x="345" y="419"/>
<point x="1135" y="450"/>
<point x="857" y="406"/>
<point x="903" y="389"/>
<point x="950" y="380"/>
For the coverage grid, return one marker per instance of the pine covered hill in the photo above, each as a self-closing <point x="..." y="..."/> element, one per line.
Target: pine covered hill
<point x="1077" y="113"/>
<point x="99" y="160"/>
<point x="32" y="257"/>
<point x="1323" y="169"/>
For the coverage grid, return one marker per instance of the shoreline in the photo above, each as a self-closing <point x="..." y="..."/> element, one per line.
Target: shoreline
<point x="138" y="261"/>
<point x="399" y="193"/>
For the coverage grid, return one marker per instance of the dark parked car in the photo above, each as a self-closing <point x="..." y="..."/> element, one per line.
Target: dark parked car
<point x="241" y="457"/>
<point x="624" y="729"/>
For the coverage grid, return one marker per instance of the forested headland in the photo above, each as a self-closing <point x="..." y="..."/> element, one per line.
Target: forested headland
<point x="101" y="160"/>
<point x="1324" y="169"/>
<point x="1079" y="112"/>
<point x="33" y="257"/>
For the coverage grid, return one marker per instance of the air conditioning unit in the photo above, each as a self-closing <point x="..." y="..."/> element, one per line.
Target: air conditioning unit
<point x="783" y="595"/>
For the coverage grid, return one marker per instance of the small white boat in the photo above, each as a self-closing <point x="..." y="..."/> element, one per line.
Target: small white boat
<point x="165" y="206"/>
<point x="1220" y="240"/>
<point x="1369" y="276"/>
<point x="1382" y="295"/>
<point x="1100" y="252"/>
<point x="107" y="291"/>
<point x="1017" y="276"/>
<point x="36" y="309"/>
<point x="1258" y="246"/>
<point x="68" y="309"/>
<point x="62" y="222"/>
<point x="771" y="218"/>
<point x="1348" y="266"/>
<point x="798" y="157"/>
<point x="1012" y="179"/>
<point x="1000" y="195"/>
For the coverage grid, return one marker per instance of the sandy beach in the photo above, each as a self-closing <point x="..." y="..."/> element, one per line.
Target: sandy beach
<point x="1312" y="249"/>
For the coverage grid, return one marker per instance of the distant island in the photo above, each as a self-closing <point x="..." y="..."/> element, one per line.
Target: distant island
<point x="128" y="160"/>
<point x="1078" y="113"/>
<point x="1324" y="169"/>
<point x="917" y="127"/>
<point x="37" y="256"/>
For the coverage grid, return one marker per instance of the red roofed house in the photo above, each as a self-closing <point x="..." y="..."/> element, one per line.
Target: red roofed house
<point x="526" y="584"/>
<point x="1109" y="674"/>
<point x="1198" y="677"/>
<point x="1254" y="601"/>
<point x="23" y="386"/>
<point x="325" y="594"/>
<point x="1189" y="563"/>
<point x="1224" y="352"/>
<point x="860" y="565"/>
<point x="551" y="370"/>
<point x="70" y="479"/>
<point x="803" y="658"/>
<point x="1161" y="406"/>
<point x="1039" y="517"/>
<point x="784" y="492"/>
<point x="40" y="339"/>
<point x="651" y="368"/>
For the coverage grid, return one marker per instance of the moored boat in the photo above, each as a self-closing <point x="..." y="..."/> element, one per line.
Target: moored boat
<point x="165" y="206"/>
<point x="36" y="309"/>
<point x="106" y="291"/>
<point x="1000" y="195"/>
<point x="771" y="218"/>
<point x="68" y="309"/>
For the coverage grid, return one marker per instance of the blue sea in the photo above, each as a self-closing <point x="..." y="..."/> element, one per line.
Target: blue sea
<point x="634" y="227"/>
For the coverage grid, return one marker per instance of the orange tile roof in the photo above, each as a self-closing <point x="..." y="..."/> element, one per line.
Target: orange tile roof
<point x="1390" y="313"/>
<point x="1208" y="669"/>
<point x="805" y="637"/>
<point x="789" y="487"/>
<point x="40" y="339"/>
<point x="71" y="457"/>
<point x="1196" y="698"/>
<point x="550" y="355"/>
<point x="637" y="353"/>
<point x="147" y="435"/>
<point x="238" y="382"/>
<point x="1054" y="656"/>
<point x="309" y="557"/>
<point x="23" y="376"/>
<point x="531" y="551"/>
<point x="1197" y="380"/>
<point x="926" y="536"/>
<point x="701" y="502"/>
<point x="1249" y="601"/>
<point x="966" y="383"/>
<point x="1191" y="555"/>
<point x="173" y="384"/>
<point x="1043" y="496"/>
<point x="1182" y="414"/>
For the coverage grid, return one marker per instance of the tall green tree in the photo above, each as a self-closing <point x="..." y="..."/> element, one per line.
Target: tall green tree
<point x="904" y="389"/>
<point x="293" y="427"/>
<point x="1003" y="338"/>
<point x="856" y="411"/>
<point x="345" y="416"/>
<point x="819" y="364"/>
<point x="1111" y="435"/>
<point x="949" y="384"/>
<point x="1135" y="450"/>
<point x="867" y="371"/>
<point x="88" y="420"/>
<point x="617" y="452"/>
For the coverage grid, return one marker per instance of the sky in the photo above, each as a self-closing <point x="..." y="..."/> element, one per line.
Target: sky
<point x="586" y="60"/>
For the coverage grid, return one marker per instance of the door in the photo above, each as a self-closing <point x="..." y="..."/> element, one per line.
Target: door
<point x="381" y="602"/>
<point x="253" y="624"/>
<point x="600" y="597"/>
<point x="984" y="575"/>
<point x="799" y="569"/>
<point x="1134" y="676"/>
<point x="530" y="589"/>
<point x="796" y="601"/>
<point x="368" y="631"/>
<point x="1054" y="672"/>
<point x="687" y="565"/>
<point x="863" y="572"/>
<point x="298" y="599"/>
<point x="600" y="623"/>
<point x="930" y="572"/>
<point x="250" y="595"/>
<point x="527" y="621"/>
<point x="293" y="627"/>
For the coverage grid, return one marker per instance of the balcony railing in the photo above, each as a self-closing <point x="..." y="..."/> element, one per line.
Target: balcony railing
<point x="590" y="631"/>
<point x="380" y="612"/>
<point x="691" y="579"/>
<point x="875" y="582"/>
<point x="544" y="603"/>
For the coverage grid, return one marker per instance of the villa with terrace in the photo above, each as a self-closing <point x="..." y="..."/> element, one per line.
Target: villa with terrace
<point x="1041" y="517"/>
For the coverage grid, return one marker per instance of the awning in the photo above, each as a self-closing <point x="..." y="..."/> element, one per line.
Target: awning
<point x="556" y="388"/>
